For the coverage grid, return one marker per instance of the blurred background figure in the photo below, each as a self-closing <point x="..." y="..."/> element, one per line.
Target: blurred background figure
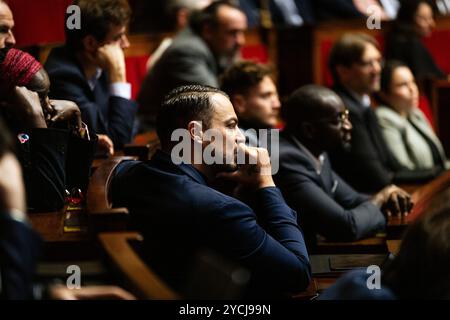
<point x="178" y="12"/>
<point x="415" y="20"/>
<point x="424" y="256"/>
<point x="407" y="133"/>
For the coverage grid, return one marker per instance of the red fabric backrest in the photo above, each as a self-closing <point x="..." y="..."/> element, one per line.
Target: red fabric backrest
<point x="257" y="53"/>
<point x="136" y="71"/>
<point x="39" y="22"/>
<point x="439" y="46"/>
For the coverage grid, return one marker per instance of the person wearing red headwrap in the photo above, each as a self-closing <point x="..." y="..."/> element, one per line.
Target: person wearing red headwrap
<point x="53" y="153"/>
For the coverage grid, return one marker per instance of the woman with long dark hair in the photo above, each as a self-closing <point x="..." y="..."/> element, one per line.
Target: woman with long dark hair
<point x="415" y="20"/>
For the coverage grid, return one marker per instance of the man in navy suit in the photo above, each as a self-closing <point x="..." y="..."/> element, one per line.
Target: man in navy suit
<point x="90" y="70"/>
<point x="317" y="122"/>
<point x="355" y="63"/>
<point x="173" y="204"/>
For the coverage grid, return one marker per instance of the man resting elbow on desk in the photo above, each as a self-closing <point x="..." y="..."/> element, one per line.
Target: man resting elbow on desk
<point x="317" y="122"/>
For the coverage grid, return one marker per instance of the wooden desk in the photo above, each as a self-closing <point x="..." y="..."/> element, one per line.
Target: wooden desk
<point x="425" y="198"/>
<point x="375" y="244"/>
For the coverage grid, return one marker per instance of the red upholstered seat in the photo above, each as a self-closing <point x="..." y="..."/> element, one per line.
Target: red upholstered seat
<point x="46" y="17"/>
<point x="439" y="46"/>
<point x="136" y="71"/>
<point x="257" y="53"/>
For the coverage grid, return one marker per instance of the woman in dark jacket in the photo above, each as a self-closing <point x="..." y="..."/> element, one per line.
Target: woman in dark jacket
<point x="415" y="20"/>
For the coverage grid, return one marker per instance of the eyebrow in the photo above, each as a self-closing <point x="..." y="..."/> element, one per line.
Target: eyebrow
<point x="234" y="119"/>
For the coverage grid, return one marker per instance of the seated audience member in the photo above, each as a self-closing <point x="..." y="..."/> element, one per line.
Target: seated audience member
<point x="420" y="270"/>
<point x="254" y="97"/>
<point x="317" y="122"/>
<point x="20" y="245"/>
<point x="53" y="146"/>
<point x="355" y="64"/>
<point x="179" y="214"/>
<point x="90" y="70"/>
<point x="197" y="55"/>
<point x="405" y="128"/>
<point x="6" y="24"/>
<point x="178" y="12"/>
<point x="415" y="20"/>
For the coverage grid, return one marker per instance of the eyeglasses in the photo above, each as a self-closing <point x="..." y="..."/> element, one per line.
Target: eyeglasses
<point x="341" y="118"/>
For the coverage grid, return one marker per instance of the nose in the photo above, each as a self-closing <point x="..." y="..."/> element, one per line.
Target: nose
<point x="377" y="67"/>
<point x="124" y="42"/>
<point x="240" y="38"/>
<point x="347" y="125"/>
<point x="276" y="103"/>
<point x="432" y="23"/>
<point x="10" y="40"/>
<point x="240" y="138"/>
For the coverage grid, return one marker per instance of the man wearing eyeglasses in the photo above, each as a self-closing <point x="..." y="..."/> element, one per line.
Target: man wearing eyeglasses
<point x="318" y="122"/>
<point x="355" y="63"/>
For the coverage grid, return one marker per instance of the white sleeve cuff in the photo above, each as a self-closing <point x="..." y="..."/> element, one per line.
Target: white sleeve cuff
<point x="121" y="89"/>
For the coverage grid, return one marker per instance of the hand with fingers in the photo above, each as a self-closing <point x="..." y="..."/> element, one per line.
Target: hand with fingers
<point x="105" y="145"/>
<point x="63" y="110"/>
<point x="255" y="173"/>
<point x="393" y="201"/>
<point x="111" y="57"/>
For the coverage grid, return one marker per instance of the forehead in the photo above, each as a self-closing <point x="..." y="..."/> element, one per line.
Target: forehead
<point x="222" y="108"/>
<point x="370" y="52"/>
<point x="265" y="85"/>
<point x="332" y="104"/>
<point x="401" y="74"/>
<point x="424" y="9"/>
<point x="231" y="18"/>
<point x="5" y="14"/>
<point x="116" y="30"/>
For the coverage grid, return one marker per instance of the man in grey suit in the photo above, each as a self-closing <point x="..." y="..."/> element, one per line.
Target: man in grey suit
<point x="197" y="55"/>
<point x="316" y="122"/>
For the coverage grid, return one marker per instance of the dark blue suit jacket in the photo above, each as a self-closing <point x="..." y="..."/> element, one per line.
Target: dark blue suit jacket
<point x="327" y="205"/>
<point x="103" y="113"/>
<point x="19" y="248"/>
<point x="180" y="214"/>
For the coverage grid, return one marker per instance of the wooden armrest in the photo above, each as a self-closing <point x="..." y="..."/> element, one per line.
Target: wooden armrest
<point x="102" y="216"/>
<point x="140" y="151"/>
<point x="310" y="292"/>
<point x="143" y="279"/>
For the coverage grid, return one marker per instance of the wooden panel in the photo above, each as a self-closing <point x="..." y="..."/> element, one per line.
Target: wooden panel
<point x="143" y="280"/>
<point x="101" y="214"/>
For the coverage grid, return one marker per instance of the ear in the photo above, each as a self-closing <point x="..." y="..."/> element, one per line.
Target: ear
<point x="239" y="104"/>
<point x="196" y="131"/>
<point x="90" y="44"/>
